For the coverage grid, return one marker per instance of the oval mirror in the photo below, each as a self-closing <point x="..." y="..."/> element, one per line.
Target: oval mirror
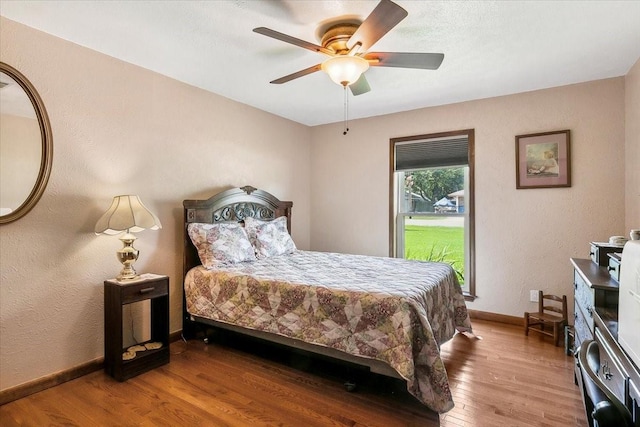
<point x="26" y="147"/>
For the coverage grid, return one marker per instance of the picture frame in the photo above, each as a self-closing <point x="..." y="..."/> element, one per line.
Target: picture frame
<point x="543" y="160"/>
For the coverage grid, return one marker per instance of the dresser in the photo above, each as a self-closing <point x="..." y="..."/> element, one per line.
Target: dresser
<point x="593" y="288"/>
<point x="596" y="296"/>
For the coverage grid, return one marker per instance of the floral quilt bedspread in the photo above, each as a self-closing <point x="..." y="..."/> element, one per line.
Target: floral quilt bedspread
<point x="390" y="309"/>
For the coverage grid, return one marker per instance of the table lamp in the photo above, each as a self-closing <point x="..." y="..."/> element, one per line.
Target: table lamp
<point x="128" y="214"/>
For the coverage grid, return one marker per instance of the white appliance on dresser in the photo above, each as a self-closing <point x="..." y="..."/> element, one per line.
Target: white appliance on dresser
<point x="629" y="301"/>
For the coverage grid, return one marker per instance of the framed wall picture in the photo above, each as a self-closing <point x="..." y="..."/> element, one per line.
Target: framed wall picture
<point x="543" y="160"/>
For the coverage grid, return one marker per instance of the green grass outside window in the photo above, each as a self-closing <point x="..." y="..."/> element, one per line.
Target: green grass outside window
<point x="436" y="243"/>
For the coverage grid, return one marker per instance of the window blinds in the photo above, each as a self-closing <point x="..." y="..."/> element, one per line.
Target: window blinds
<point x="430" y="153"/>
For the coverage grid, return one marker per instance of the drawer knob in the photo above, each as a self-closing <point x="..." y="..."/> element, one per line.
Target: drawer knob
<point x="606" y="371"/>
<point x="146" y="290"/>
<point x="590" y="311"/>
<point x="611" y="268"/>
<point x="575" y="285"/>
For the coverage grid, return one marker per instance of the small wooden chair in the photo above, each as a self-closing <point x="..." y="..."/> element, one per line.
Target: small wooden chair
<point x="548" y="314"/>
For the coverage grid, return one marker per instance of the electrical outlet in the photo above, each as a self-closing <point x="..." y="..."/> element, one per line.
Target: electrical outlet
<point x="533" y="295"/>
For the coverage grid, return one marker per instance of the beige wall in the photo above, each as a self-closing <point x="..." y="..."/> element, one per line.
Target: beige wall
<point x="632" y="147"/>
<point x="524" y="238"/>
<point x="120" y="129"/>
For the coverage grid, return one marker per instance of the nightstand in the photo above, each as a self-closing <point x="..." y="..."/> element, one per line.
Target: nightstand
<point x="117" y="294"/>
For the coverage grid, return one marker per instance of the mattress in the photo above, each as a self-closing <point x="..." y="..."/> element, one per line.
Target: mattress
<point x="393" y="310"/>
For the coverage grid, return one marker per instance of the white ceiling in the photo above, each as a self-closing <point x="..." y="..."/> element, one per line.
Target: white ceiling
<point x="491" y="47"/>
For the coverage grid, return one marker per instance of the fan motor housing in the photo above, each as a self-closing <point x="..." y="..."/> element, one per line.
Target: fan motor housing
<point x="337" y="36"/>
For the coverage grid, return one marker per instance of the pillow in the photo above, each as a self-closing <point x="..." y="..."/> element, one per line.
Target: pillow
<point x="269" y="238"/>
<point x="219" y="244"/>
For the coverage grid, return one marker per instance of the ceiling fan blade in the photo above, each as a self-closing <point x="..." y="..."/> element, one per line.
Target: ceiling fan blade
<point x="360" y="86"/>
<point x="292" y="40"/>
<point x="297" y="74"/>
<point x="424" y="61"/>
<point x="384" y="17"/>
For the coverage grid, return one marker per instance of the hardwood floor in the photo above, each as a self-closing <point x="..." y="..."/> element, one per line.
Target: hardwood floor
<point x="508" y="379"/>
<point x="504" y="379"/>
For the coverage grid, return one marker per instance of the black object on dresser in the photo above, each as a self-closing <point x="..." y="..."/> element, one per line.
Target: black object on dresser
<point x="605" y="408"/>
<point x="118" y="294"/>
<point x="596" y="292"/>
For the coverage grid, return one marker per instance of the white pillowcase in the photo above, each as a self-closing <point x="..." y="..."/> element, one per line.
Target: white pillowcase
<point x="221" y="243"/>
<point x="269" y="238"/>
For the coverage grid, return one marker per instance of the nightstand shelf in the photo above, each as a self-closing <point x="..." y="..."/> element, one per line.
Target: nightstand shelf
<point x="118" y="294"/>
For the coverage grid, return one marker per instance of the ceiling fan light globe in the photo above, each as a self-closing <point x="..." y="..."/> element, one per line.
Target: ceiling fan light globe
<point x="345" y="70"/>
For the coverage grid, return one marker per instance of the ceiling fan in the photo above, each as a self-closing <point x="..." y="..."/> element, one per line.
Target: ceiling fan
<point x="346" y="43"/>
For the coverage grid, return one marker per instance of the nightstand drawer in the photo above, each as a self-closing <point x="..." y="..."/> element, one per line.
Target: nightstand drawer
<point x="144" y="290"/>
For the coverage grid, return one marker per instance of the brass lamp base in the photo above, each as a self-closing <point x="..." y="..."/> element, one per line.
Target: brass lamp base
<point x="127" y="256"/>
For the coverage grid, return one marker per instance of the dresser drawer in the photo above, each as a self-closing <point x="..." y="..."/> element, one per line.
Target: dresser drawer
<point x="582" y="331"/>
<point x="614" y="267"/>
<point x="634" y="400"/>
<point x="599" y="251"/>
<point x="610" y="370"/>
<point x="584" y="297"/>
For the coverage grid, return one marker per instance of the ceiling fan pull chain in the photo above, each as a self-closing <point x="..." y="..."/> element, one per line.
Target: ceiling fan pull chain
<point x="346" y="111"/>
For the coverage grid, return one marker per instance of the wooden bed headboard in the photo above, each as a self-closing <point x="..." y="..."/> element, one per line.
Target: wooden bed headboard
<point x="231" y="205"/>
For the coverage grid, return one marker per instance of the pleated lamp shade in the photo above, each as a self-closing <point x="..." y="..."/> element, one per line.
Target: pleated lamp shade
<point x="127" y="213"/>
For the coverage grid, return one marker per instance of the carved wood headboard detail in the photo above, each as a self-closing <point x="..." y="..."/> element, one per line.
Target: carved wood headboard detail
<point x="232" y="205"/>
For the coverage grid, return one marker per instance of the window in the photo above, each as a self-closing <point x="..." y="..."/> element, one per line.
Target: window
<point x="431" y="201"/>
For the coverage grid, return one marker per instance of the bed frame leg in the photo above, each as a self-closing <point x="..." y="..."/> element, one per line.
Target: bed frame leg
<point x="350" y="386"/>
<point x="192" y="330"/>
<point x="187" y="328"/>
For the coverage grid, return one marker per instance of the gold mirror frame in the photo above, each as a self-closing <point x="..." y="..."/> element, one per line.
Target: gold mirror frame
<point x="47" y="145"/>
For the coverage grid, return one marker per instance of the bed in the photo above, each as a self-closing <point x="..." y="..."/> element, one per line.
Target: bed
<point x="390" y="315"/>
